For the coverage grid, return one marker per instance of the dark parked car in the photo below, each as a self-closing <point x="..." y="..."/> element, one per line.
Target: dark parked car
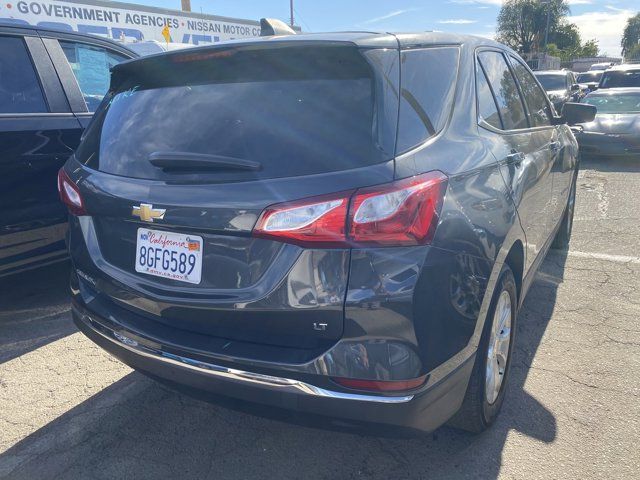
<point x="561" y="86"/>
<point x="616" y="129"/>
<point x="621" y="76"/>
<point x="588" y="81"/>
<point x="50" y="83"/>
<point x="325" y="223"/>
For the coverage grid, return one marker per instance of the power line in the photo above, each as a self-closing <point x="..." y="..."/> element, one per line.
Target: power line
<point x="302" y="21"/>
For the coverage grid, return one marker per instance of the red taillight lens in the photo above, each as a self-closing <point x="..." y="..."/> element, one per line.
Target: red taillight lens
<point x="381" y="385"/>
<point x="398" y="213"/>
<point x="70" y="194"/>
<point x="316" y="221"/>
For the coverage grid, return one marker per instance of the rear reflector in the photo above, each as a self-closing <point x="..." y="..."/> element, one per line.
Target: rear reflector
<point x="70" y="194"/>
<point x="404" y="212"/>
<point x="381" y="385"/>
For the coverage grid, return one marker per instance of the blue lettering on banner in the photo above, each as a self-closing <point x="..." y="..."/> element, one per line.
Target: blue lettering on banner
<point x="93" y="30"/>
<point x="117" y="32"/>
<point x="56" y="26"/>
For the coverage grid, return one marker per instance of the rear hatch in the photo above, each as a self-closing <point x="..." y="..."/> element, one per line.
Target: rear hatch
<point x="188" y="149"/>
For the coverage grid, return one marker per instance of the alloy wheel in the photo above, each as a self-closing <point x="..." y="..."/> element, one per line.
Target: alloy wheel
<point x="498" y="351"/>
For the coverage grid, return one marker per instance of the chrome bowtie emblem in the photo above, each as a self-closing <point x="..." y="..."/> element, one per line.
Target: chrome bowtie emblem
<point x="147" y="213"/>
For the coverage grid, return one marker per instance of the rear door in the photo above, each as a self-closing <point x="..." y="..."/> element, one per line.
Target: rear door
<point x="191" y="147"/>
<point x="37" y="135"/>
<point x="563" y="160"/>
<point x="520" y="146"/>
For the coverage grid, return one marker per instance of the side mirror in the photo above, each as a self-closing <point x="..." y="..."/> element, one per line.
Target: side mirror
<point x="574" y="113"/>
<point x="592" y="86"/>
<point x="575" y="87"/>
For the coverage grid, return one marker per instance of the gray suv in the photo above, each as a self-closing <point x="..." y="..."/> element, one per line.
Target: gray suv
<point x="344" y="224"/>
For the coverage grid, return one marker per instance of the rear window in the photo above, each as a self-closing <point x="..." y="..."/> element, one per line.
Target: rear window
<point x="552" y="81"/>
<point x="289" y="110"/>
<point x="426" y="97"/>
<point x="615" y="103"/>
<point x="589" y="77"/>
<point x="620" y="79"/>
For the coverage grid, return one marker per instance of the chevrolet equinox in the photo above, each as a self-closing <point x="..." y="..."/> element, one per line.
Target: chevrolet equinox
<point x="344" y="224"/>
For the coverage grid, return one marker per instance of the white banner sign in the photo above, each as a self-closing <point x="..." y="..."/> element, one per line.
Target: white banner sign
<point x="122" y="22"/>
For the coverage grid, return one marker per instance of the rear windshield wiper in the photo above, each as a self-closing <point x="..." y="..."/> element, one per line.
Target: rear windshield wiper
<point x="180" y="161"/>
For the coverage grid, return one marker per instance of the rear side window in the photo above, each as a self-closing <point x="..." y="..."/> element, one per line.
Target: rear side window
<point x="19" y="87"/>
<point x="487" y="108"/>
<point x="504" y="89"/>
<point x="91" y="65"/>
<point x="292" y="110"/>
<point x="533" y="95"/>
<point x="428" y="79"/>
<point x="620" y="79"/>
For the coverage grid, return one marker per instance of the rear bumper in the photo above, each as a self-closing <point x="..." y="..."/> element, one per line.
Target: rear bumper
<point x="597" y="144"/>
<point x="425" y="409"/>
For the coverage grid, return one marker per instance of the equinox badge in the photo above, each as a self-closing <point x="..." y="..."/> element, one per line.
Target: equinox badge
<point x="147" y="213"/>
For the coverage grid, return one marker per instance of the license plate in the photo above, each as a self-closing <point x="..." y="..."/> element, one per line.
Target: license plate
<point x="170" y="255"/>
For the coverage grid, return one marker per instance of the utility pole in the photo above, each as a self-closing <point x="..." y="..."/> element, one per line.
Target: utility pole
<point x="291" y="11"/>
<point x="186" y="5"/>
<point x="546" y="30"/>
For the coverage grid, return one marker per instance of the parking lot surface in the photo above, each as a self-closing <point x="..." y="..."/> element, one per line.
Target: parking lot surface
<point x="68" y="410"/>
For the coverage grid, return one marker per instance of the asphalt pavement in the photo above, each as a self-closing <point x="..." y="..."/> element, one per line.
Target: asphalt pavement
<point x="572" y="410"/>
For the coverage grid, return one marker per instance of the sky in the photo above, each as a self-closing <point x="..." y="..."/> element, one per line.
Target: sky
<point x="603" y="20"/>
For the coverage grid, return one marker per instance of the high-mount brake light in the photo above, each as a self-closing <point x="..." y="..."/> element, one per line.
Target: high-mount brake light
<point x="70" y="194"/>
<point x="404" y="212"/>
<point x="199" y="56"/>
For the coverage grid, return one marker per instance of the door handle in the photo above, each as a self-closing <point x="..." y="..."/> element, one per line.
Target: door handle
<point x="555" y="146"/>
<point x="515" y="158"/>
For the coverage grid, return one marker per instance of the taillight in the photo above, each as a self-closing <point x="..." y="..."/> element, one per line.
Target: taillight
<point x="404" y="212"/>
<point x="381" y="385"/>
<point x="400" y="213"/>
<point x="316" y="221"/>
<point x="70" y="194"/>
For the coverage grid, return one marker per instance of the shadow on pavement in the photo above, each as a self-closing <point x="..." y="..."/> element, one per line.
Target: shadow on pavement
<point x="611" y="164"/>
<point x="137" y="428"/>
<point x="34" y="309"/>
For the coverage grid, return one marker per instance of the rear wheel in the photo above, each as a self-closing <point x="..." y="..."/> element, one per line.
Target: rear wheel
<point x="485" y="393"/>
<point x="563" y="236"/>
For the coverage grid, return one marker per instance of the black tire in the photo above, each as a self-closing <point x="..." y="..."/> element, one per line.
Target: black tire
<point x="563" y="235"/>
<point x="476" y="413"/>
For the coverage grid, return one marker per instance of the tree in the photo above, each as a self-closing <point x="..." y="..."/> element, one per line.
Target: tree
<point x="633" y="54"/>
<point x="631" y="35"/>
<point x="565" y="36"/>
<point x="522" y="23"/>
<point x="590" y="49"/>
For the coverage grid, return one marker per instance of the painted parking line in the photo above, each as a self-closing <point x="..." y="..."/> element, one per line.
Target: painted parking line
<point x="605" y="256"/>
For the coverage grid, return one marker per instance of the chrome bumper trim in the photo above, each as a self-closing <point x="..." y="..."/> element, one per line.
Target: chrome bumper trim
<point x="258" y="379"/>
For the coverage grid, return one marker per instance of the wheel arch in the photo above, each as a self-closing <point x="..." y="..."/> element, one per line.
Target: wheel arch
<point x="515" y="260"/>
